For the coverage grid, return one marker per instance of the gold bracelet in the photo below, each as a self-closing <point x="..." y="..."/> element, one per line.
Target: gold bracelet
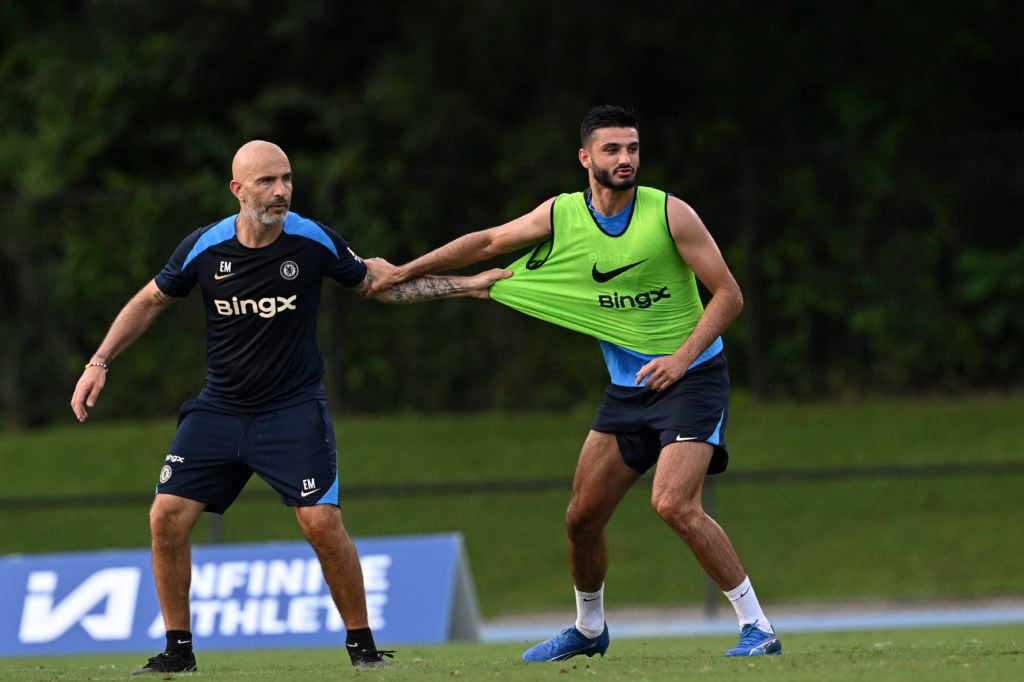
<point x="96" y="364"/>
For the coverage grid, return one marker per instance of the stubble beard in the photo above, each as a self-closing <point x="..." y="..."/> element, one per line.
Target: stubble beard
<point x="605" y="179"/>
<point x="263" y="216"/>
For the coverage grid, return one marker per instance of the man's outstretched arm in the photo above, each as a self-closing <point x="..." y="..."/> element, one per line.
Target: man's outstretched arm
<point x="130" y="323"/>
<point x="430" y="287"/>
<point x="526" y="230"/>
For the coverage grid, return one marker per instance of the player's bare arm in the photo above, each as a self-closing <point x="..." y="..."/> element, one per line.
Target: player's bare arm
<point x="432" y="287"/>
<point x="697" y="247"/>
<point x="473" y="247"/>
<point x="130" y="323"/>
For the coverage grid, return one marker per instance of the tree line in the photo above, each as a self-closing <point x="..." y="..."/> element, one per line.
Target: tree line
<point x="860" y="165"/>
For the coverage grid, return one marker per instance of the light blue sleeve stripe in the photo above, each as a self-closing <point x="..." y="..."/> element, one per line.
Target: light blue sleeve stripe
<point x="221" y="232"/>
<point x="304" y="227"/>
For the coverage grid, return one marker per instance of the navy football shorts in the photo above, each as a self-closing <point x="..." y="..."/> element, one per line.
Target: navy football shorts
<point x="214" y="453"/>
<point x="694" y="408"/>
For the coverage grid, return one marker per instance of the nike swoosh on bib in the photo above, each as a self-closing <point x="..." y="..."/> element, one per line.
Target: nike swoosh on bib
<point x="602" y="277"/>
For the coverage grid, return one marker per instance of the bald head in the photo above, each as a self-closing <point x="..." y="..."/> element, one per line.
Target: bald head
<point x="253" y="156"/>
<point x="261" y="180"/>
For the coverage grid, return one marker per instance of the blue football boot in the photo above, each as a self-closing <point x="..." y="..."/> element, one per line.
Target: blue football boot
<point x="756" y="642"/>
<point x="569" y="642"/>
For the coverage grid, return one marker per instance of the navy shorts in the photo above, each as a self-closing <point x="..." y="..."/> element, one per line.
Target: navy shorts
<point x="214" y="453"/>
<point x="695" y="408"/>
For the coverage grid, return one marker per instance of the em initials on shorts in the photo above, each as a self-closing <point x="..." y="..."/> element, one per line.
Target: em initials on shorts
<point x="215" y="452"/>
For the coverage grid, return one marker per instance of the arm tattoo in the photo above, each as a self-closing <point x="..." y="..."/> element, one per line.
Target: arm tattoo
<point x="423" y="289"/>
<point x="160" y="297"/>
<point x="365" y="284"/>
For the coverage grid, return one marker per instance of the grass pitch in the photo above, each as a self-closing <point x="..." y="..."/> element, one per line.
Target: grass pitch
<point x="803" y="541"/>
<point x="980" y="654"/>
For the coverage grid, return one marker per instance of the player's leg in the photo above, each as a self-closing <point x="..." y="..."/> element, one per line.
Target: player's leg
<point x="323" y="528"/>
<point x="599" y="484"/>
<point x="601" y="480"/>
<point x="325" y="531"/>
<point x="294" y="451"/>
<point x="691" y="417"/>
<point x="171" y="520"/>
<point x="676" y="497"/>
<point x="200" y="472"/>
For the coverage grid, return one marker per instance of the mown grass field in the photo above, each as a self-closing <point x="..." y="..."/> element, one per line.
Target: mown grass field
<point x="901" y="537"/>
<point x="989" y="654"/>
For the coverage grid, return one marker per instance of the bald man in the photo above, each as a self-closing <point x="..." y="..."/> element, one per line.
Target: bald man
<point x="263" y="408"/>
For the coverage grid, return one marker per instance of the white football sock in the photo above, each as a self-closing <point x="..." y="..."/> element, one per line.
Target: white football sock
<point x="748" y="609"/>
<point x="590" y="613"/>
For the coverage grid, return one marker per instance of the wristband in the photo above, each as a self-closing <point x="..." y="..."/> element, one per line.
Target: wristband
<point x="101" y="365"/>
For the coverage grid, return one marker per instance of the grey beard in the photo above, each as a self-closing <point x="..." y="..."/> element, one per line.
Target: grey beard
<point x="263" y="217"/>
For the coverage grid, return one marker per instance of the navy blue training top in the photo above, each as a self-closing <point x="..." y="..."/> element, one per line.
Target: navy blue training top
<point x="261" y="309"/>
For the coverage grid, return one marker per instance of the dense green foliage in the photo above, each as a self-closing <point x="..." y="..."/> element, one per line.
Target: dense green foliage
<point x="859" y="163"/>
<point x="894" y="537"/>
